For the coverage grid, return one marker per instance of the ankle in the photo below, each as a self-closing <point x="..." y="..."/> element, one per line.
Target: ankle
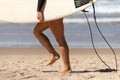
<point x="56" y="55"/>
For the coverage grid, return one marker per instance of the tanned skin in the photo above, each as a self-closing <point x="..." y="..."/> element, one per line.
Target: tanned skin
<point x="57" y="28"/>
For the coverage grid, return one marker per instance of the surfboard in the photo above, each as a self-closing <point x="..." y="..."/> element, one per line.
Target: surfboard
<point x="25" y="11"/>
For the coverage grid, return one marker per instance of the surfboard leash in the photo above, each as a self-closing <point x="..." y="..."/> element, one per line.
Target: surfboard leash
<point x="92" y="40"/>
<point x="108" y="69"/>
<point x="94" y="14"/>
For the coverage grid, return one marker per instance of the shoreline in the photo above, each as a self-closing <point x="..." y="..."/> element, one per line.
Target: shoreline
<point x="41" y="50"/>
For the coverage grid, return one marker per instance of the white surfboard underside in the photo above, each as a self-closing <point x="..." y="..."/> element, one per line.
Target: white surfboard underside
<point x="25" y="11"/>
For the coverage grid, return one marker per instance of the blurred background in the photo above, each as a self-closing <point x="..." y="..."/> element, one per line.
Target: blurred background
<point x="14" y="35"/>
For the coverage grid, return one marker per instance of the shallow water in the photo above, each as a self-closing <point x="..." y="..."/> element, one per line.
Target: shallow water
<point x="77" y="35"/>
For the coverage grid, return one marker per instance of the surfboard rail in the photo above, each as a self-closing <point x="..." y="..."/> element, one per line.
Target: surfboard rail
<point x="20" y="12"/>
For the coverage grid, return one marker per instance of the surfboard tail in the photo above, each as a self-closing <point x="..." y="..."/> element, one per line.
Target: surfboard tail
<point x="79" y="3"/>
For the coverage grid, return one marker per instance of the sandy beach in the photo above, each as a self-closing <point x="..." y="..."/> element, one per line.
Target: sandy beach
<point x="29" y="64"/>
<point x="23" y="58"/>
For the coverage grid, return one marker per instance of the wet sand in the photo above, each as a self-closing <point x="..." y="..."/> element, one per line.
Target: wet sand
<point x="29" y="64"/>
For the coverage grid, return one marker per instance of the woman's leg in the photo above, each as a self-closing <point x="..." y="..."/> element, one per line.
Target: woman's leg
<point x="57" y="29"/>
<point x="38" y="32"/>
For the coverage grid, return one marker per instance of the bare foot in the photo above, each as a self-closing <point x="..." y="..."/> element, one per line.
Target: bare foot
<point x="53" y="59"/>
<point x="65" y="71"/>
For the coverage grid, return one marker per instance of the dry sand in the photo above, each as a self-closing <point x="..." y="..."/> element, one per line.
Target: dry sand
<point x="29" y="64"/>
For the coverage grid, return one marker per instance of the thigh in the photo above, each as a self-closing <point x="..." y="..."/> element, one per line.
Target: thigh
<point x="57" y="28"/>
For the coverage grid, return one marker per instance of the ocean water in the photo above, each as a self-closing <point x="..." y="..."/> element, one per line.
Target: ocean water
<point x="76" y="29"/>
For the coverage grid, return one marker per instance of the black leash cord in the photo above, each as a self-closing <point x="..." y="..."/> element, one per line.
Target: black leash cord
<point x="94" y="11"/>
<point x="92" y="40"/>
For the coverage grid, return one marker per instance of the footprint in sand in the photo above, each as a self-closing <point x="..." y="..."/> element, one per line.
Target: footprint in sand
<point x="28" y="77"/>
<point x="91" y="77"/>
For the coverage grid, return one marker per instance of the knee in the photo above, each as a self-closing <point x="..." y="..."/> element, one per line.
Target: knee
<point x="37" y="31"/>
